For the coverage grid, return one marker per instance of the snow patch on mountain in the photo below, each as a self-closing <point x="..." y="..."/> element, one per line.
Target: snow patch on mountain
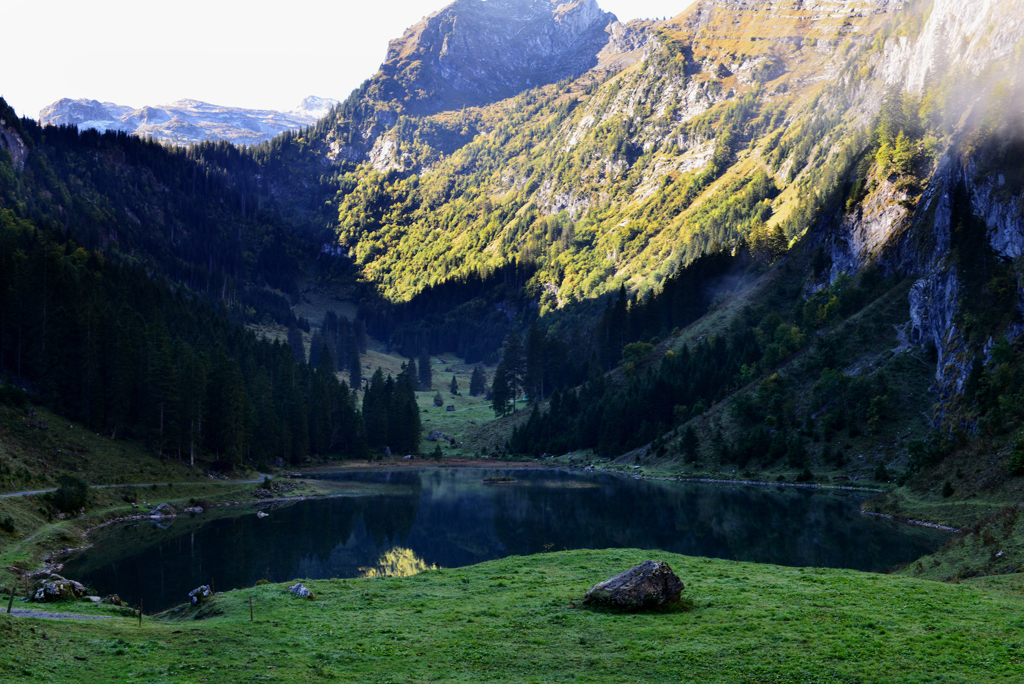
<point x="186" y="121"/>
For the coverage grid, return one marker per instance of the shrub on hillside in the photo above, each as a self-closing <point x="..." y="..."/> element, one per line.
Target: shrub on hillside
<point x="72" y="494"/>
<point x="1016" y="463"/>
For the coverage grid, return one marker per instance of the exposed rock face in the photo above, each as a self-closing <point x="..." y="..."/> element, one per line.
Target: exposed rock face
<point x="15" y="146"/>
<point x="648" y="585"/>
<point x="185" y="121"/>
<point x="476" y="51"/>
<point x="199" y="594"/>
<point x="56" y="588"/>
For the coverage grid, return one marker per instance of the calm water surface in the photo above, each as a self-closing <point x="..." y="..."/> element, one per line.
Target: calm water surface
<point x="448" y="518"/>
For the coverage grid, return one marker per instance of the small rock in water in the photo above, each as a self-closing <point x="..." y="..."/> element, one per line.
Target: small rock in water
<point x="261" y="514"/>
<point x="301" y="591"/>
<point x="199" y="594"/>
<point x="648" y="585"/>
<point x="163" y="510"/>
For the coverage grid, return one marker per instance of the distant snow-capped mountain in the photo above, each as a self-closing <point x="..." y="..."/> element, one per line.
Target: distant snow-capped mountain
<point x="186" y="121"/>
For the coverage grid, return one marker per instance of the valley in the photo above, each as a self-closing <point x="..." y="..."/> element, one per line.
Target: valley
<point x="757" y="242"/>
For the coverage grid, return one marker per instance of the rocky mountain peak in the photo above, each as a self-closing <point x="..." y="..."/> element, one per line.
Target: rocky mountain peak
<point x="478" y="51"/>
<point x="185" y="121"/>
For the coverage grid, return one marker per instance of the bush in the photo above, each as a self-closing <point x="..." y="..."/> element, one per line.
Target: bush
<point x="1016" y="463"/>
<point x="7" y="524"/>
<point x="72" y="494"/>
<point x="13" y="396"/>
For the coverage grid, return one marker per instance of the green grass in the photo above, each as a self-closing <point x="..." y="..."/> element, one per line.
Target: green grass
<point x="514" y="620"/>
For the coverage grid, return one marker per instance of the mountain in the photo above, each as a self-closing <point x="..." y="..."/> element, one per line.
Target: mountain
<point x="186" y="121"/>
<point x="774" y="238"/>
<point x="478" y="51"/>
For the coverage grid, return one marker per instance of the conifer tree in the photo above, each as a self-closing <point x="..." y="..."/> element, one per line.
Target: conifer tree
<point x="355" y="371"/>
<point x="512" y="366"/>
<point x="454" y="387"/>
<point x="501" y="393"/>
<point x="534" y="379"/>
<point x="690" y="444"/>
<point x="477" y="382"/>
<point x="404" y="414"/>
<point x="426" y="373"/>
<point x="375" y="411"/>
<point x="295" y="342"/>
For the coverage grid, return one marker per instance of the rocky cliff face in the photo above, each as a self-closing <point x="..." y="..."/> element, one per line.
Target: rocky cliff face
<point x="186" y="121"/>
<point x="12" y="143"/>
<point x="966" y="43"/>
<point x="477" y="51"/>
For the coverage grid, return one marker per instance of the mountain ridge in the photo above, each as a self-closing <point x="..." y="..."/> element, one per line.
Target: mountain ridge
<point x="186" y="121"/>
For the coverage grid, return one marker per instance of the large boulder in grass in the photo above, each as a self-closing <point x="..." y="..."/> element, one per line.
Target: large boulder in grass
<point x="199" y="594"/>
<point x="648" y="585"/>
<point x="56" y="588"/>
<point x="301" y="591"/>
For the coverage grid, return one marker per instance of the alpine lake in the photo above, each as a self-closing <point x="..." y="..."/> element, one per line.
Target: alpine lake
<point x="398" y="523"/>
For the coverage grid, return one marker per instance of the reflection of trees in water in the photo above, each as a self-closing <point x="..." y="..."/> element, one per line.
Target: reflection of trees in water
<point x="397" y="562"/>
<point x="449" y="518"/>
<point x="236" y="552"/>
<point x="784" y="526"/>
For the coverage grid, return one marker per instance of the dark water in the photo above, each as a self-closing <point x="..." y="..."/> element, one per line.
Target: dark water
<point x="449" y="518"/>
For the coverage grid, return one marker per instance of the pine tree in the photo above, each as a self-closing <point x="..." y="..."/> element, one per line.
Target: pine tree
<point x="404" y="414"/>
<point x="501" y="393"/>
<point x="295" y="342"/>
<point x="477" y="382"/>
<point x="438" y="400"/>
<point x="426" y="373"/>
<point x="690" y="444"/>
<point x="316" y="345"/>
<point x="375" y="411"/>
<point x="454" y="387"/>
<point x="534" y="379"/>
<point x="355" y="371"/>
<point x="513" y="366"/>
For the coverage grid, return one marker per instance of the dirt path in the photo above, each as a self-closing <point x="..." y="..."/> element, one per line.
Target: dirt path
<point x="142" y="484"/>
<point x="45" y="615"/>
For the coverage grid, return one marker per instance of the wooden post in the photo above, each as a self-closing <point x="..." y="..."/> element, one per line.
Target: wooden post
<point x="250" y="609"/>
<point x="140" y="613"/>
<point x="10" y="602"/>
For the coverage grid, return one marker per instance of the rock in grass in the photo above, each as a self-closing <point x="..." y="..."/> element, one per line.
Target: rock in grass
<point x="199" y="594"/>
<point x="112" y="600"/>
<point x="648" y="585"/>
<point x="301" y="591"/>
<point x="56" y="588"/>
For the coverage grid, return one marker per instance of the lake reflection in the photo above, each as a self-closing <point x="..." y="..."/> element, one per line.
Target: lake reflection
<point x="450" y="518"/>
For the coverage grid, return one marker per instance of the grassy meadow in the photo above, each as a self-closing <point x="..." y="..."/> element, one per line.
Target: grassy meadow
<point x="519" y="620"/>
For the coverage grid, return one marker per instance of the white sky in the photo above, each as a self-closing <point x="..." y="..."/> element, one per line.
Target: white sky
<point x="246" y="54"/>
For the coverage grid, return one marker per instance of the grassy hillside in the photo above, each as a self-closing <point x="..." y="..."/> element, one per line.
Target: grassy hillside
<point x="520" y="620"/>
